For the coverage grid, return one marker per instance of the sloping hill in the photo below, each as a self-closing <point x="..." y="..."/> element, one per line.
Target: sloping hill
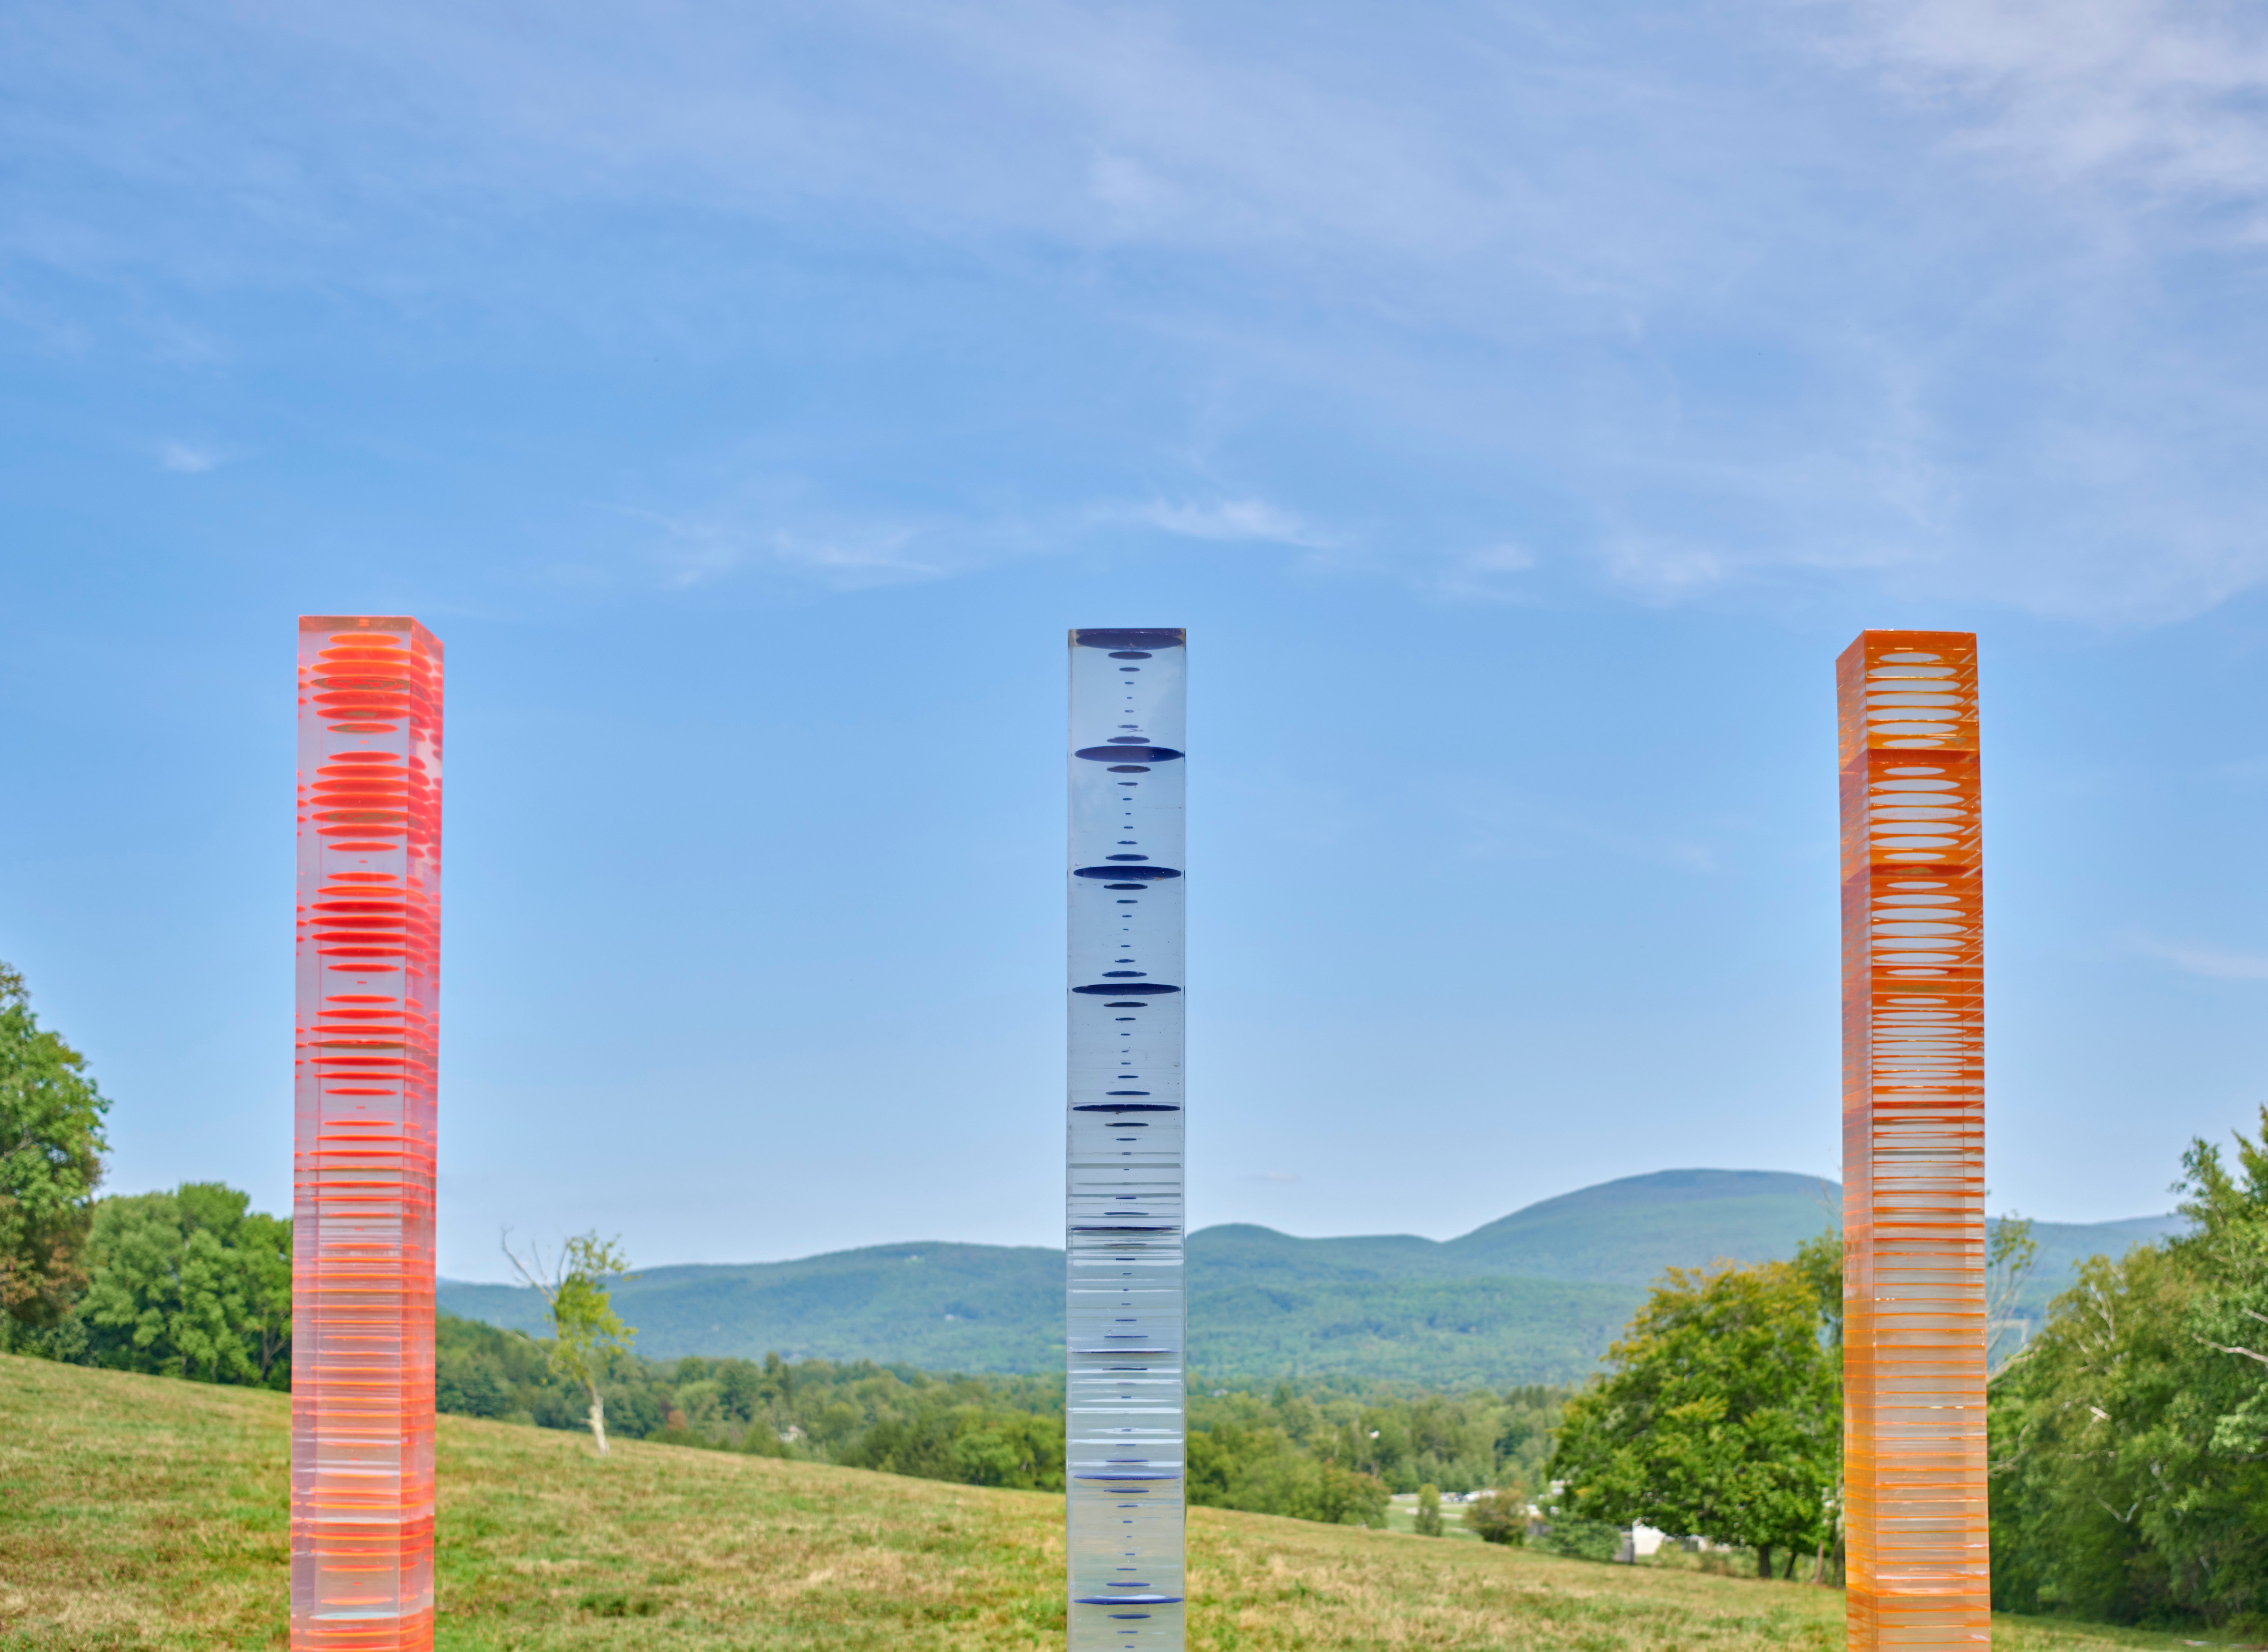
<point x="137" y="1512"/>
<point x="1242" y="1252"/>
<point x="1533" y="1297"/>
<point x="944" y="1306"/>
<point x="1628" y="1231"/>
<point x="1443" y="1334"/>
<point x="2065" y="1245"/>
<point x="976" y="1307"/>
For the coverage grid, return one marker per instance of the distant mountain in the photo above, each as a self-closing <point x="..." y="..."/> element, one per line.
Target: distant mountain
<point x="1534" y="1297"/>
<point x="987" y="1308"/>
<point x="1617" y="1232"/>
<point x="2065" y="1245"/>
<point x="945" y="1307"/>
<point x="1628" y="1231"/>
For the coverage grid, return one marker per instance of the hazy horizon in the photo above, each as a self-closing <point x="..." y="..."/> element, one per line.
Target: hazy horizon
<point x="643" y="1266"/>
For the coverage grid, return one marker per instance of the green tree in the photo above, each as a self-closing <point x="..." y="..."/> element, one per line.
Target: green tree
<point x="1429" y="1510"/>
<point x="1819" y="1262"/>
<point x="1265" y="1470"/>
<point x="1720" y="1417"/>
<point x="2229" y="1316"/>
<point x="1499" y="1516"/>
<point x="2129" y="1455"/>
<point x="585" y="1327"/>
<point x="51" y="1148"/>
<point x="2086" y="1437"/>
<point x="2011" y="1254"/>
<point x="191" y="1283"/>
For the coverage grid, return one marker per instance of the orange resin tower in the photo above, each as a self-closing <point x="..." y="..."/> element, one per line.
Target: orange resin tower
<point x="362" y="1284"/>
<point x="1913" y="1143"/>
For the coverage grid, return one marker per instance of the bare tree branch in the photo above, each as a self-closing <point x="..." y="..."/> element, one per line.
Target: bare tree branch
<point x="2222" y="1348"/>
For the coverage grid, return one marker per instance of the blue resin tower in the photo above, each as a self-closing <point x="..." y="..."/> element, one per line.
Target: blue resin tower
<point x="1123" y="1225"/>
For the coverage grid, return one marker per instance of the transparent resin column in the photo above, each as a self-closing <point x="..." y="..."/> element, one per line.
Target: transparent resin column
<point x="362" y="1282"/>
<point x="1913" y="1143"/>
<point x="1123" y="1226"/>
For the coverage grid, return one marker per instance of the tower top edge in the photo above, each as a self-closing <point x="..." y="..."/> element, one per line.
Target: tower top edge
<point x="1159" y="637"/>
<point x="1898" y="641"/>
<point x="399" y="623"/>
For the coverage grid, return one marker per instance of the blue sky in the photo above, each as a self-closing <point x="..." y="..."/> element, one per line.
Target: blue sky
<point x="1521" y="404"/>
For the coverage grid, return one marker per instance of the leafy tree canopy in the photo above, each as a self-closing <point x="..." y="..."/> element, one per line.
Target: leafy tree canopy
<point x="192" y="1283"/>
<point x="1720" y="1417"/>
<point x="1498" y="1517"/>
<point x="2130" y="1440"/>
<point x="51" y="1147"/>
<point x="2229" y="1316"/>
<point x="1327" y="1450"/>
<point x="1237" y="1464"/>
<point x="586" y="1333"/>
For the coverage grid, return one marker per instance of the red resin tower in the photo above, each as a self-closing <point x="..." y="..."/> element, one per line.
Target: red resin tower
<point x="1913" y="1143"/>
<point x="361" y="1285"/>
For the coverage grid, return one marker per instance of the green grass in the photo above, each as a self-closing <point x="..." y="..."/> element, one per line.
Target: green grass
<point x="139" y="1513"/>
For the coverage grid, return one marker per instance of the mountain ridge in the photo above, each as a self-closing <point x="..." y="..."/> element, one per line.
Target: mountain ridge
<point x="1533" y="1296"/>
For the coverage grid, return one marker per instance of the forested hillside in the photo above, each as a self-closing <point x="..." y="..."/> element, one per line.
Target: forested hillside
<point x="1534" y="1297"/>
<point x="1328" y="1449"/>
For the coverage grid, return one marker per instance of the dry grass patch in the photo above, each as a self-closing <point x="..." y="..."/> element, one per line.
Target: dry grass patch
<point x="137" y="1513"/>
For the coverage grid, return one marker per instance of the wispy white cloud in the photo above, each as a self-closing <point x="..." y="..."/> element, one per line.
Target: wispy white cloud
<point x="1224" y="520"/>
<point x="1489" y="574"/>
<point x="189" y="459"/>
<point x="1664" y="570"/>
<point x="796" y="526"/>
<point x="881" y="560"/>
<point x="1687" y="303"/>
<point x="2164" y="95"/>
<point x="2213" y="963"/>
<point x="695" y="552"/>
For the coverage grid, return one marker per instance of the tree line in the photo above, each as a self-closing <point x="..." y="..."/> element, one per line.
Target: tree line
<point x="1720" y="1415"/>
<point x="2129" y="1438"/>
<point x="1333" y="1450"/>
<point x="196" y="1284"/>
<point x="193" y="1283"/>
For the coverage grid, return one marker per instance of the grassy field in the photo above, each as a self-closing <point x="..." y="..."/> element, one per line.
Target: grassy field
<point x="141" y="1513"/>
